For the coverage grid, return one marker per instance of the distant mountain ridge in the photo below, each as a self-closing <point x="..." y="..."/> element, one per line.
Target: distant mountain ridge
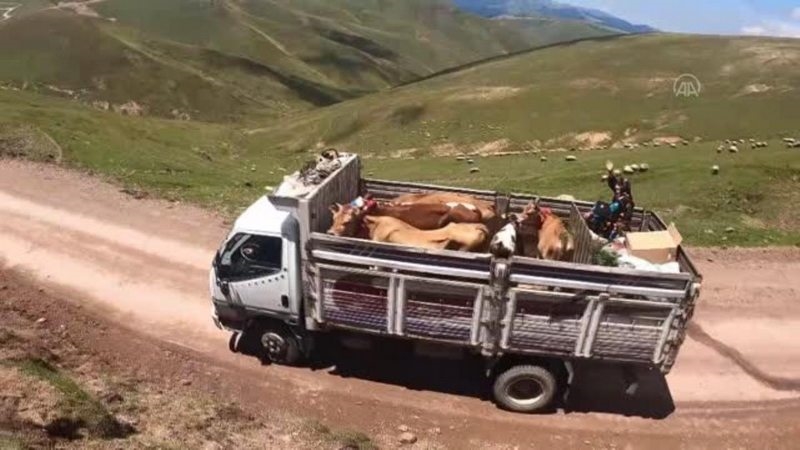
<point x="550" y="9"/>
<point x="227" y="60"/>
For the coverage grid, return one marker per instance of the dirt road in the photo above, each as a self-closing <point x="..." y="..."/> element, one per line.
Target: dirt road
<point x="144" y="264"/>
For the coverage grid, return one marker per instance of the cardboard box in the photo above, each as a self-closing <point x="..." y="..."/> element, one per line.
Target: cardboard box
<point x="657" y="247"/>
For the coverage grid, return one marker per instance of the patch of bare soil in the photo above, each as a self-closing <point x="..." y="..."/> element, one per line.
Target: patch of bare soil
<point x="759" y="88"/>
<point x="446" y="149"/>
<point x="82" y="8"/>
<point x="485" y="93"/>
<point x="770" y="53"/>
<point x="656" y="84"/>
<point x="490" y="148"/>
<point x="71" y="380"/>
<point x="594" y="84"/>
<point x="6" y="9"/>
<point x="130" y="108"/>
<point x="585" y="140"/>
<point x="668" y="140"/>
<point x="404" y="153"/>
<point x="593" y="138"/>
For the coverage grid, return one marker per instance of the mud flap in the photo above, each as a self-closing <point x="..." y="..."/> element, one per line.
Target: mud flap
<point x="631" y="378"/>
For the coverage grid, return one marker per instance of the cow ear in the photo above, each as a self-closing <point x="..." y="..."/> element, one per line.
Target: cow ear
<point x="530" y="208"/>
<point x="336" y="207"/>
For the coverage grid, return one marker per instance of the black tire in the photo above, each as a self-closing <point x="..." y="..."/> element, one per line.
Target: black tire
<point x="233" y="342"/>
<point x="525" y="389"/>
<point x="280" y="346"/>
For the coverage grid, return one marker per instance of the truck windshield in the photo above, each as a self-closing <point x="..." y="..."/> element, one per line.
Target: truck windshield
<point x="248" y="256"/>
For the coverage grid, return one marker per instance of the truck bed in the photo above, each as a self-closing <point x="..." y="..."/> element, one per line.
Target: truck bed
<point x="524" y="306"/>
<point x="567" y="310"/>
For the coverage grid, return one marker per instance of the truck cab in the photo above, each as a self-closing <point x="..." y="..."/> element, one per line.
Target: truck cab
<point x="256" y="270"/>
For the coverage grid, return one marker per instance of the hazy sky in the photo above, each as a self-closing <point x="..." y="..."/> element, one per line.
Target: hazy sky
<point x="754" y="17"/>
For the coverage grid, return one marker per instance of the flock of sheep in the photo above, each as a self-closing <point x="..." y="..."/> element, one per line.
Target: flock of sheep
<point x="792" y="142"/>
<point x="629" y="169"/>
<point x="731" y="145"/>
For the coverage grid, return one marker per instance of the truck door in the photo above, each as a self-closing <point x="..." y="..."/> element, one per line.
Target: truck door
<point x="254" y="270"/>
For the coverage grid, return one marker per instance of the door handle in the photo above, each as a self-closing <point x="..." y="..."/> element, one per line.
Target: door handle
<point x="285" y="301"/>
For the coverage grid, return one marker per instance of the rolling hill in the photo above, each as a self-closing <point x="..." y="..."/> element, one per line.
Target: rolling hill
<point x="595" y="93"/>
<point x="227" y="60"/>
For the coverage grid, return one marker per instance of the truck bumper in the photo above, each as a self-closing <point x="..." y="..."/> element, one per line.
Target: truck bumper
<point x="228" y="318"/>
<point x="215" y="318"/>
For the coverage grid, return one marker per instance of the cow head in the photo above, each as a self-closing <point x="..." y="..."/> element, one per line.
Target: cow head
<point x="534" y="215"/>
<point x="528" y="221"/>
<point x="346" y="220"/>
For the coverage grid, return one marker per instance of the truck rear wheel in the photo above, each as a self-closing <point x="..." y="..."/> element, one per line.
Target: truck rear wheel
<point x="525" y="388"/>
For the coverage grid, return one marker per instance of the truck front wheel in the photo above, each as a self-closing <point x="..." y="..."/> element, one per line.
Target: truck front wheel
<point x="280" y="346"/>
<point x="525" y="388"/>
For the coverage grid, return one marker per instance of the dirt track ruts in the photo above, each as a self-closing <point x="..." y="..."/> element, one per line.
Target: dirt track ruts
<point x="144" y="263"/>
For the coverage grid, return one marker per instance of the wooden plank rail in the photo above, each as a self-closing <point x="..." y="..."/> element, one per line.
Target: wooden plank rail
<point x="582" y="237"/>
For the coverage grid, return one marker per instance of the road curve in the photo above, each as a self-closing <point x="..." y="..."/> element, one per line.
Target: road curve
<point x="144" y="263"/>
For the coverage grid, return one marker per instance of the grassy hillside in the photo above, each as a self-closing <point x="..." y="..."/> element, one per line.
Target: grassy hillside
<point x="354" y="43"/>
<point x="757" y="192"/>
<point x="200" y="162"/>
<point x="80" y="58"/>
<point x="583" y="94"/>
<point x="227" y="60"/>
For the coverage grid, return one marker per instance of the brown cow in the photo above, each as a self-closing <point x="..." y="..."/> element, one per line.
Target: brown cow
<point x="428" y="216"/>
<point x="487" y="209"/>
<point x="467" y="237"/>
<point x="553" y="241"/>
<point x="352" y="222"/>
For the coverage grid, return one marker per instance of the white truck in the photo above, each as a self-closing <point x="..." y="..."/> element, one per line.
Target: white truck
<point x="284" y="285"/>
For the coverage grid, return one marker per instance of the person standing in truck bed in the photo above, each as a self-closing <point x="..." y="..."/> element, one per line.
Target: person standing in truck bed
<point x="622" y="204"/>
